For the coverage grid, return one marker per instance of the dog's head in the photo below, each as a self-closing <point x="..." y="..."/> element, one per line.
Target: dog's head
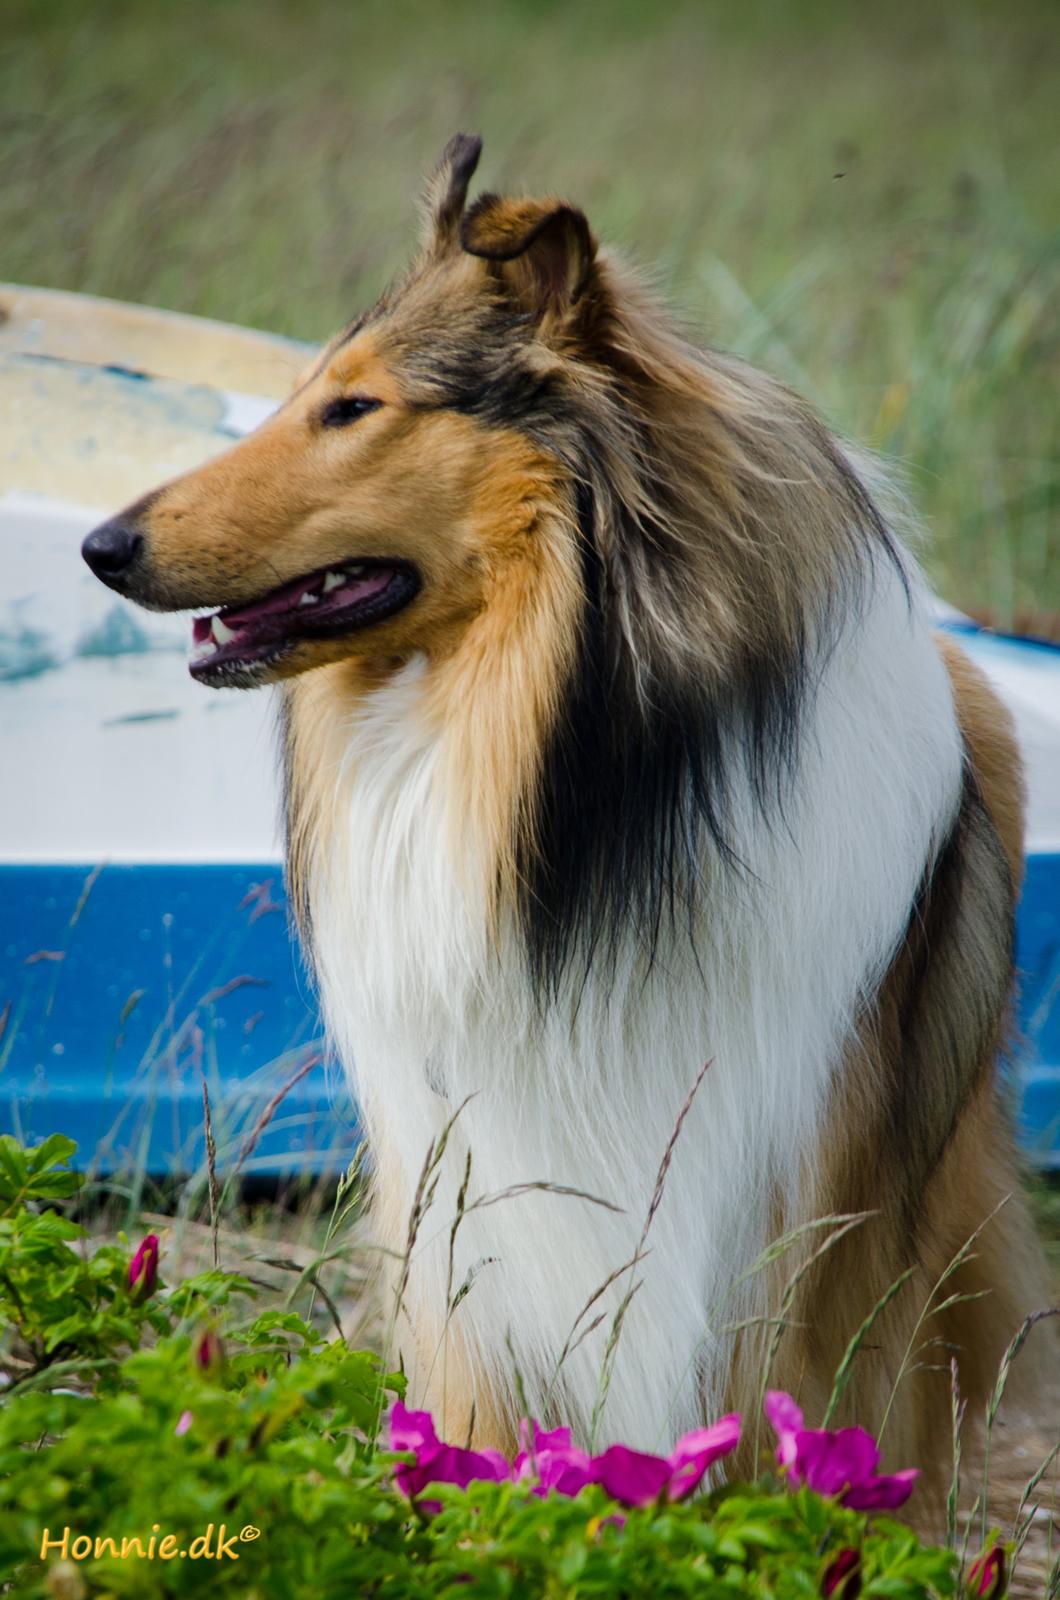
<point x="369" y="515"/>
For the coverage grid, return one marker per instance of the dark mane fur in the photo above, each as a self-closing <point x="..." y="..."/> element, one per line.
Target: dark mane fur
<point x="724" y="541"/>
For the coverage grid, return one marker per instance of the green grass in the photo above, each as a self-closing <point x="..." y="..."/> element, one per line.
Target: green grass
<point x="864" y="199"/>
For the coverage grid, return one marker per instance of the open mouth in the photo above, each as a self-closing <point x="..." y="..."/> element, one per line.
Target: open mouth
<point x="322" y="605"/>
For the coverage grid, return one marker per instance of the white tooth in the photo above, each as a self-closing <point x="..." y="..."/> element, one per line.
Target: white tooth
<point x="309" y="599"/>
<point x="356" y="570"/>
<point x="333" y="580"/>
<point x="220" y="632"/>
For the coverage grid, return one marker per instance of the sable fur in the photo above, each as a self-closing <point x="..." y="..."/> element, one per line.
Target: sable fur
<point x="933" y="1153"/>
<point x="661" y="764"/>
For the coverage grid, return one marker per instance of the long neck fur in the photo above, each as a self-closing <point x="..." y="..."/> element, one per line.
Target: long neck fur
<point x="574" y="992"/>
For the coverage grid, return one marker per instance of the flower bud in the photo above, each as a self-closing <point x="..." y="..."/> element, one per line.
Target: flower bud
<point x="207" y="1352"/>
<point x="986" y="1577"/>
<point x="842" y="1576"/>
<point x="143" y="1268"/>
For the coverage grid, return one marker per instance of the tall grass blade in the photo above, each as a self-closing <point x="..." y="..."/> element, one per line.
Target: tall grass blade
<point x="211" y="1167"/>
<point x="842" y="1377"/>
<point x="1015" y="1345"/>
<point x="957" y="1408"/>
<point x="611" y="1348"/>
<point x="251" y="1142"/>
<point x="930" y="1309"/>
<point x="787" y="1300"/>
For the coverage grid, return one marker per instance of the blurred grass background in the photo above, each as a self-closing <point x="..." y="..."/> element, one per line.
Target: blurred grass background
<point x="864" y="199"/>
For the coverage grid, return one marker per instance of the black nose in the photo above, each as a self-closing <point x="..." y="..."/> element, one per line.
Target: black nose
<point x="111" y="549"/>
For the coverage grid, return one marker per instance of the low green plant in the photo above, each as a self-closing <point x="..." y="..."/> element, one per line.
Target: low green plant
<point x="163" y="1440"/>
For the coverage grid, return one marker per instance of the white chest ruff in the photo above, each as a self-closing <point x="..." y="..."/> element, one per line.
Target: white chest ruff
<point x="425" y="1009"/>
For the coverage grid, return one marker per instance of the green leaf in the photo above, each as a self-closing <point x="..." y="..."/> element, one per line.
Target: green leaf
<point x="14" y="1171"/>
<point x="55" y="1149"/>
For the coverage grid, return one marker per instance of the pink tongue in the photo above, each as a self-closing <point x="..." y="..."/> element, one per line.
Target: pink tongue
<point x="289" y="597"/>
<point x="285" y="599"/>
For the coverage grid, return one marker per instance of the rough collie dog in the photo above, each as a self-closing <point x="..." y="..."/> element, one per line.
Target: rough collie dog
<point x="618" y="742"/>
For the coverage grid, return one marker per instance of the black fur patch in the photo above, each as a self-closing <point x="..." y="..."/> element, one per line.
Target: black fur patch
<point x="633" y="795"/>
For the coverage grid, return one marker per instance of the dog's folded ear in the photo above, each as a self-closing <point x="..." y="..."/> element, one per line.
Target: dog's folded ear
<point x="446" y="192"/>
<point x="543" y="249"/>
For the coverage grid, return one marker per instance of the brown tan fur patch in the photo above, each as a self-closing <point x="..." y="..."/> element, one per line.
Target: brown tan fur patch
<point x="972" y="1195"/>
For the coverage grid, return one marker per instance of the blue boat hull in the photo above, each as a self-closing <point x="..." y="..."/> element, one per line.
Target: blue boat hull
<point x="173" y="973"/>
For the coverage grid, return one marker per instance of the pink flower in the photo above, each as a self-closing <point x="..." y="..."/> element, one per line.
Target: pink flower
<point x="697" y="1451"/>
<point x="550" y="1461"/>
<point x="839" y="1462"/>
<point x="184" y="1422"/>
<point x="882" y="1492"/>
<point x="785" y="1419"/>
<point x="413" y="1432"/>
<point x="833" y="1462"/>
<point x="636" y="1479"/>
<point x="986" y="1577"/>
<point x="842" y="1576"/>
<point x="143" y="1268"/>
<point x="631" y="1478"/>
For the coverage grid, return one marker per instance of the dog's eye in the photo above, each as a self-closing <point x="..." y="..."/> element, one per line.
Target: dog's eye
<point x="346" y="409"/>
